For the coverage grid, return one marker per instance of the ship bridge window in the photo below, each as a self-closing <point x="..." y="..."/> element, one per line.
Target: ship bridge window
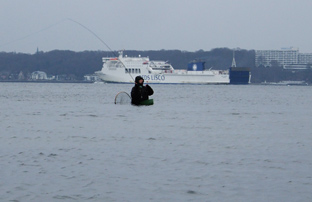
<point x="132" y="71"/>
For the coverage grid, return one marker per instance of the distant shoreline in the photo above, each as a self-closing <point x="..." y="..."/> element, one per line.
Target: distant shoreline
<point x="91" y="82"/>
<point x="43" y="81"/>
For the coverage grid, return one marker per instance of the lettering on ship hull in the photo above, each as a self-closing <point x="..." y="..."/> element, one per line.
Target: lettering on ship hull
<point x="154" y="77"/>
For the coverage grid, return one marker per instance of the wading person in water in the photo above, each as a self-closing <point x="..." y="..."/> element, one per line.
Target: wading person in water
<point x="139" y="92"/>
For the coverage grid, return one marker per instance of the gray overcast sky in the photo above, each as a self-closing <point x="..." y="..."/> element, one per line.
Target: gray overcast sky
<point x="155" y="24"/>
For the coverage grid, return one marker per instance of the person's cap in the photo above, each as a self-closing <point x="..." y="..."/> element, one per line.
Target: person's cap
<point x="138" y="78"/>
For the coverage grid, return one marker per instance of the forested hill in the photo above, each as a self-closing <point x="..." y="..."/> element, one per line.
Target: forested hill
<point x="77" y="64"/>
<point x="59" y="62"/>
<point x="55" y="62"/>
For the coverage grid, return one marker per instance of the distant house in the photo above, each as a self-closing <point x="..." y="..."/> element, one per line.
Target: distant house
<point x="38" y="75"/>
<point x="91" y="77"/>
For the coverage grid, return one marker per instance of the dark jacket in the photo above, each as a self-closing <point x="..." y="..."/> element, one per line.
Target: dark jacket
<point x="140" y="93"/>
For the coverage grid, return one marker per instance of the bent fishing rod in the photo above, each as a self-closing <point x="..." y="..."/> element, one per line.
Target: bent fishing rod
<point x="103" y="43"/>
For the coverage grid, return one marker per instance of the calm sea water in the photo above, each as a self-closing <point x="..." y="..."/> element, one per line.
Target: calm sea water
<point x="70" y="142"/>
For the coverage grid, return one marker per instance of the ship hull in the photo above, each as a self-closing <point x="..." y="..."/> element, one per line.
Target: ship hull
<point x="171" y="78"/>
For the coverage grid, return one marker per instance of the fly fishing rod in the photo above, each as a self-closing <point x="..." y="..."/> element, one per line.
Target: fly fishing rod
<point x="102" y="42"/>
<point x="121" y="97"/>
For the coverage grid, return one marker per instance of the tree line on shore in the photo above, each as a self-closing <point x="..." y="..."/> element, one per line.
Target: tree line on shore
<point x="78" y="64"/>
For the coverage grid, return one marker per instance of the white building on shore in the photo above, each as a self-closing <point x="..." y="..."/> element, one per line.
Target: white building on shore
<point x="91" y="77"/>
<point x="285" y="56"/>
<point x="39" y="75"/>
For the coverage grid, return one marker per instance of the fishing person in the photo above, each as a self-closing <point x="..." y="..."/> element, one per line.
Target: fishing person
<point x="140" y="92"/>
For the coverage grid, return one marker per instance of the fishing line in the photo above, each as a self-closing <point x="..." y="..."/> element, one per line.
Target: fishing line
<point x="34" y="33"/>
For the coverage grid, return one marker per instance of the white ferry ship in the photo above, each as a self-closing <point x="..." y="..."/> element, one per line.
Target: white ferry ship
<point x="124" y="70"/>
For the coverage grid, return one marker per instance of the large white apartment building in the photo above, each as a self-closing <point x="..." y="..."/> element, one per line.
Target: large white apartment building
<point x="285" y="56"/>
